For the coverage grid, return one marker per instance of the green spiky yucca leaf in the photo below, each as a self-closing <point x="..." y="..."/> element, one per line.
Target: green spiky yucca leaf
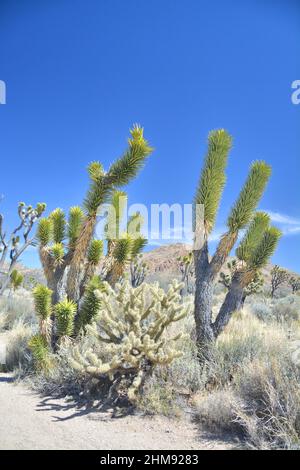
<point x="127" y="167"/>
<point x="134" y="224"/>
<point x="65" y="313"/>
<point x="40" y="208"/>
<point x="253" y="235"/>
<point x="95" y="251"/>
<point x="90" y="306"/>
<point x="249" y="197"/>
<point x="16" y="279"/>
<point x="212" y="178"/>
<point x="265" y="249"/>
<point x="118" y="204"/>
<point x="59" y="225"/>
<point x="137" y="246"/>
<point x="98" y="193"/>
<point x="44" y="231"/>
<point x="40" y="351"/>
<point x="58" y="253"/>
<point x="96" y="171"/>
<point x="122" y="249"/>
<point x="76" y="217"/>
<point x="42" y="301"/>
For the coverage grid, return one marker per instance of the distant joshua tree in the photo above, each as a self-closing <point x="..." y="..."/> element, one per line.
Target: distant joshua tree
<point x="254" y="251"/>
<point x="186" y="267"/>
<point x="278" y="277"/>
<point x="138" y="270"/>
<point x="13" y="246"/>
<point x="294" y="283"/>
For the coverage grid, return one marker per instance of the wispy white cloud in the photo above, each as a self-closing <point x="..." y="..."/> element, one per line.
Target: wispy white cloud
<point x="283" y="218"/>
<point x="289" y="225"/>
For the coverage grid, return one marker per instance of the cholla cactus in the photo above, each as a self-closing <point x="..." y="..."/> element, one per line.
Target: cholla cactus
<point x="278" y="277"/>
<point x="19" y="240"/>
<point x="255" y="250"/>
<point x="68" y="252"/>
<point x="131" y="333"/>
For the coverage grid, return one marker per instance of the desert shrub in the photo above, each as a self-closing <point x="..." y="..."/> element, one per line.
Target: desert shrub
<point x="243" y="340"/>
<point x="287" y="309"/>
<point x="253" y="384"/>
<point x="17" y="307"/>
<point x="17" y="351"/>
<point x="216" y="411"/>
<point x="270" y="391"/>
<point x="159" y="397"/>
<point x="130" y="334"/>
<point x="261" y="310"/>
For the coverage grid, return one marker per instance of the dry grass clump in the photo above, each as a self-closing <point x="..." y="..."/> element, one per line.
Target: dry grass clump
<point x="13" y="308"/>
<point x="216" y="410"/>
<point x="253" y="385"/>
<point x="270" y="392"/>
<point x="17" y="351"/>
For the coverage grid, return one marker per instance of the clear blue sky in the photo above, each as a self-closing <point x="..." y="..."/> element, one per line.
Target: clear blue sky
<point x="80" y="72"/>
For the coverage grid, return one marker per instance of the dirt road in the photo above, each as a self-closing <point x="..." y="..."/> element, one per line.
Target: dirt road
<point x="29" y="421"/>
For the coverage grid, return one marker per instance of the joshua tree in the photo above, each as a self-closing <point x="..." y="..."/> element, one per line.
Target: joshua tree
<point x="13" y="246"/>
<point x="70" y="255"/>
<point x="138" y="270"/>
<point x="68" y="251"/>
<point x="278" y="277"/>
<point x="294" y="283"/>
<point x="254" y="251"/>
<point x="186" y="267"/>
<point x="253" y="288"/>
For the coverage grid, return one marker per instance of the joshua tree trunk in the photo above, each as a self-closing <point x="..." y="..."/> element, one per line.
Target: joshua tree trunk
<point x="233" y="302"/>
<point x="6" y="279"/>
<point x="203" y="301"/>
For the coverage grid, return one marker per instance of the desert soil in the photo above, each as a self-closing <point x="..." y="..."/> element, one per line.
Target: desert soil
<point x="29" y="421"/>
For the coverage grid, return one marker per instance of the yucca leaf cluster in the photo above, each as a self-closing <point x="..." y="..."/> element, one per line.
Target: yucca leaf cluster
<point x="65" y="312"/>
<point x="16" y="279"/>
